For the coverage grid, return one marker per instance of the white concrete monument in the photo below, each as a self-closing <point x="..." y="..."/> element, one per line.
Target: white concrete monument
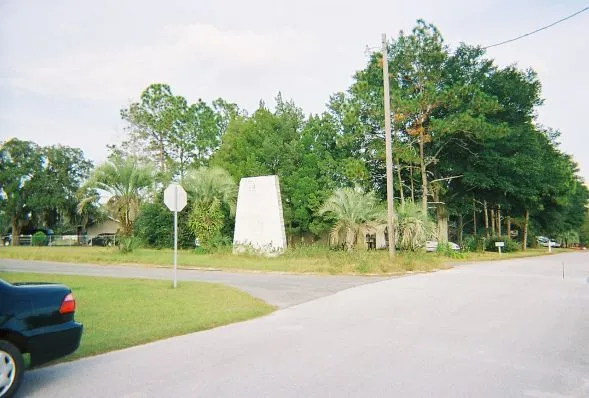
<point x="259" y="223"/>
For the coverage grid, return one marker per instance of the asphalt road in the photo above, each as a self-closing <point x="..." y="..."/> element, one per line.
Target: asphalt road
<point x="281" y="290"/>
<point x="497" y="329"/>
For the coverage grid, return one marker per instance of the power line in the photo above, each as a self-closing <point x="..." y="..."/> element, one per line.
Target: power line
<point x="537" y="30"/>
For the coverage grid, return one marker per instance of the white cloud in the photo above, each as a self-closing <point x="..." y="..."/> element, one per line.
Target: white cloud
<point x="196" y="52"/>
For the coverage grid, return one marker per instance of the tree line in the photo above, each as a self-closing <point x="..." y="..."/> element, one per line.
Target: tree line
<point x="468" y="152"/>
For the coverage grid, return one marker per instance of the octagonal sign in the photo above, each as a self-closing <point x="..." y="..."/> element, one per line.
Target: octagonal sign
<point x="175" y="197"/>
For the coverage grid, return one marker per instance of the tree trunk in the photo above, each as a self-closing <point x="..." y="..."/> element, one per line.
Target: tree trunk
<point x="162" y="155"/>
<point x="400" y="183"/>
<point x="493" y="230"/>
<point x="499" y="221"/>
<point x="412" y="186"/>
<point x="525" y="230"/>
<point x="423" y="172"/>
<point x="16" y="228"/>
<point x="460" y="228"/>
<point x="442" y="216"/>
<point x="509" y="227"/>
<point x="486" y="219"/>
<point x="474" y="217"/>
<point x="442" y="224"/>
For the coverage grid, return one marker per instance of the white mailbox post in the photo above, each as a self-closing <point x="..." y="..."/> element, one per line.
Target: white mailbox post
<point x="175" y="198"/>
<point x="499" y="245"/>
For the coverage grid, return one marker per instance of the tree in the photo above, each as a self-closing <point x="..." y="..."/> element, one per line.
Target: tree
<point x="264" y="144"/>
<point x="127" y="181"/>
<point x="21" y="176"/>
<point x="65" y="169"/>
<point x="40" y="185"/>
<point x="204" y="185"/>
<point x="305" y="154"/>
<point x="414" y="226"/>
<point x="213" y="194"/>
<point x="356" y="214"/>
<point x="151" y="122"/>
<point x="317" y="173"/>
<point x="179" y="135"/>
<point x="154" y="226"/>
<point x="206" y="221"/>
<point x="439" y="103"/>
<point x="584" y="230"/>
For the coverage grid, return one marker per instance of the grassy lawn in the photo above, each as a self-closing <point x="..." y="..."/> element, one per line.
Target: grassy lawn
<point x="301" y="260"/>
<point x="119" y="313"/>
<point x="491" y="256"/>
<point x="309" y="259"/>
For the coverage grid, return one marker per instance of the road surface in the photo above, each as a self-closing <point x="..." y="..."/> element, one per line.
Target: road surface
<point x="281" y="290"/>
<point x="497" y="329"/>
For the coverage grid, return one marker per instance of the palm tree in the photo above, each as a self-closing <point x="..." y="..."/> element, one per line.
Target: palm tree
<point x="127" y="181"/>
<point x="209" y="189"/>
<point x="414" y="227"/>
<point x="357" y="213"/>
<point x="568" y="238"/>
<point x="207" y="184"/>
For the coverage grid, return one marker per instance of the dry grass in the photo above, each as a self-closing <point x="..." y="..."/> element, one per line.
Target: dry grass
<point x="305" y="259"/>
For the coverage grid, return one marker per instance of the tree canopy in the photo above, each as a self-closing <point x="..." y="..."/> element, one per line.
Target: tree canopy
<point x="467" y="149"/>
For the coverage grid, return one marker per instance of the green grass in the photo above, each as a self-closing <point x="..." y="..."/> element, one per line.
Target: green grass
<point x="491" y="256"/>
<point x="120" y="313"/>
<point x="303" y="259"/>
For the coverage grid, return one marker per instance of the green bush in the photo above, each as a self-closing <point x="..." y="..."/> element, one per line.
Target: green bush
<point x="510" y="245"/>
<point x="155" y="227"/>
<point x="39" y="239"/>
<point x="206" y="221"/>
<point x="472" y="243"/>
<point x="444" y="249"/>
<point x="128" y="243"/>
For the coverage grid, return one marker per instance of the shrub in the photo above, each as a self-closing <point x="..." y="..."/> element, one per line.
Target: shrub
<point x="128" y="243"/>
<point x="155" y="227"/>
<point x="206" y="221"/>
<point x="414" y="227"/>
<point x="39" y="239"/>
<point x="510" y="245"/>
<point x="445" y="250"/>
<point x="472" y="243"/>
<point x="569" y="238"/>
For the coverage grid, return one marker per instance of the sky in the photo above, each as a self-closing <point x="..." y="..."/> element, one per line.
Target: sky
<point x="68" y="67"/>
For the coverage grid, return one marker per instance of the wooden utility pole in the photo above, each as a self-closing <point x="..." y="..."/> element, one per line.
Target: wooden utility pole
<point x="388" y="147"/>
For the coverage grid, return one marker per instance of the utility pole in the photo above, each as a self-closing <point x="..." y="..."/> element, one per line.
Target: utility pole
<point x="389" y="151"/>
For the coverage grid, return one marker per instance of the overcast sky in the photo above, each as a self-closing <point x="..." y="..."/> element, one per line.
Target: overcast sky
<point x="68" y="67"/>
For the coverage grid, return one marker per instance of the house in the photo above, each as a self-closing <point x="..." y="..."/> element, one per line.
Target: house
<point x="107" y="226"/>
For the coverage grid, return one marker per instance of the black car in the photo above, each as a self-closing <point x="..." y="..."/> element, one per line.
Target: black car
<point x="38" y="319"/>
<point x="25" y="236"/>
<point x="103" y="240"/>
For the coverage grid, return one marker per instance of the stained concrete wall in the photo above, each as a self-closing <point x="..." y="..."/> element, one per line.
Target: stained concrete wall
<point x="259" y="222"/>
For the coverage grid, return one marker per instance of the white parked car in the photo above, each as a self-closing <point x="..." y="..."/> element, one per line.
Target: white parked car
<point x="543" y="241"/>
<point x="432" y="246"/>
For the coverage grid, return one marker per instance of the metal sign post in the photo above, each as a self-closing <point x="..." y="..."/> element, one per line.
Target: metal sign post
<point x="175" y="247"/>
<point x="175" y="199"/>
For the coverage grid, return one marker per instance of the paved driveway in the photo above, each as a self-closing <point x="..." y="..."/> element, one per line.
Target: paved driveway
<point x="281" y="290"/>
<point x="497" y="329"/>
